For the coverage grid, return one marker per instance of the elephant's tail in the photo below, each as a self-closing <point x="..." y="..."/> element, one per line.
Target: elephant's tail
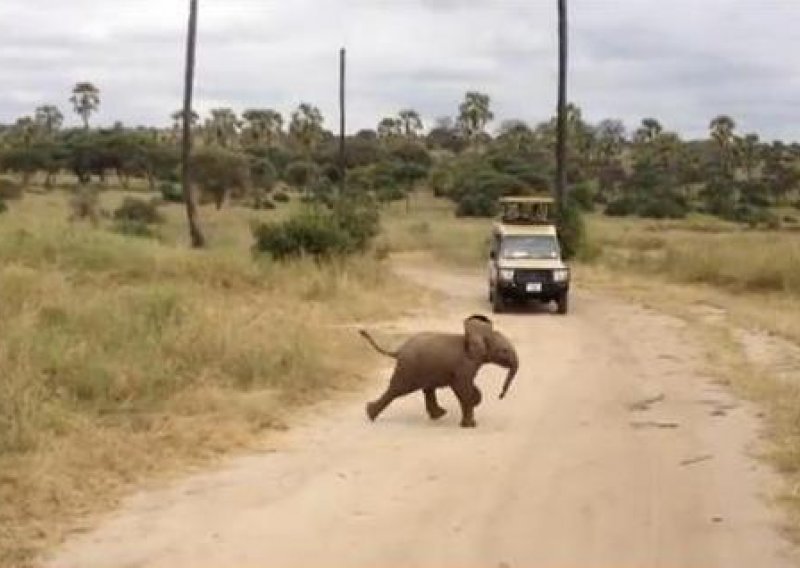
<point x="378" y="348"/>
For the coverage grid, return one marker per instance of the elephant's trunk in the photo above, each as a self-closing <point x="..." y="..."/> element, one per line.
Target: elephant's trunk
<point x="512" y="372"/>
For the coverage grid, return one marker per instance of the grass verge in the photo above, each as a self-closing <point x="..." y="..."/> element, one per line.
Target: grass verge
<point x="122" y="359"/>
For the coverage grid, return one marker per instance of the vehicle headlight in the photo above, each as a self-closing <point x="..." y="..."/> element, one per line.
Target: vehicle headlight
<point x="506" y="274"/>
<point x="561" y="275"/>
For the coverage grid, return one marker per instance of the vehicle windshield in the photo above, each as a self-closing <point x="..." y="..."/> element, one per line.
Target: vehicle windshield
<point x="530" y="247"/>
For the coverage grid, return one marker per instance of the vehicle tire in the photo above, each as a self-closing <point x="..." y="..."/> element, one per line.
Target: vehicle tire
<point x="498" y="304"/>
<point x="562" y="303"/>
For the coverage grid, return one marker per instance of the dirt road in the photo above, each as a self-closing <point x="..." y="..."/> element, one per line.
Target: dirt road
<point x="611" y="450"/>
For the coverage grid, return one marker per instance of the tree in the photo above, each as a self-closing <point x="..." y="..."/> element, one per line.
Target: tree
<point x="223" y="127"/>
<point x="648" y="131"/>
<point x="389" y="128"/>
<point x="411" y="122"/>
<point x="305" y="127"/>
<point x="561" y="137"/>
<point x="85" y="100"/>
<point x="722" y="128"/>
<point x="49" y="119"/>
<point x="474" y="113"/>
<point x="195" y="233"/>
<point x="749" y="150"/>
<point x="263" y="126"/>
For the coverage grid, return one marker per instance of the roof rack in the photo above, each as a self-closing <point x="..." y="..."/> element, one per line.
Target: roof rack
<point x="527" y="210"/>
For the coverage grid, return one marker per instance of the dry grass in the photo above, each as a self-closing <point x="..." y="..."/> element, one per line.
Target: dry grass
<point x="702" y="250"/>
<point x="431" y="226"/>
<point x="123" y="358"/>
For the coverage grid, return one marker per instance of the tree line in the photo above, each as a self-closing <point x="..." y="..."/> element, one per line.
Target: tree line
<point x="648" y="171"/>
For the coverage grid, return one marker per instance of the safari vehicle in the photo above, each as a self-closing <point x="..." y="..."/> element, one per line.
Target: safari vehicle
<point x="525" y="257"/>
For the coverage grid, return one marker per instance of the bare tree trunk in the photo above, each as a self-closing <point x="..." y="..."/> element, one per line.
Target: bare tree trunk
<point x="561" y="143"/>
<point x="196" y="235"/>
<point x="342" y="117"/>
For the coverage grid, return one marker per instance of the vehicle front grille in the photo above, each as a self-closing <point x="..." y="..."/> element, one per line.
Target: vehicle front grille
<point x="522" y="277"/>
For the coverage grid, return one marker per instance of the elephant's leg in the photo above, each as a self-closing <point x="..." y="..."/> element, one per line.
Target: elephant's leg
<point x="432" y="406"/>
<point x="375" y="407"/>
<point x="477" y="397"/>
<point x="465" y="392"/>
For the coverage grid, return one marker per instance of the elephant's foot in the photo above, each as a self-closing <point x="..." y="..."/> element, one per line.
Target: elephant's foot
<point x="468" y="423"/>
<point x="436" y="413"/>
<point x="372" y="410"/>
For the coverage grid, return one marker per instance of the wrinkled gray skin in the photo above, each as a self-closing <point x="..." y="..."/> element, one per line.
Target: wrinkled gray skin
<point x="429" y="361"/>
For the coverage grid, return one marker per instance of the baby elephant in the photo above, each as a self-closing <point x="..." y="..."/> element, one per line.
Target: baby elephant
<point x="429" y="361"/>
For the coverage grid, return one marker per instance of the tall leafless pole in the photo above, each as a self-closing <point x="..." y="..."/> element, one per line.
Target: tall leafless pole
<point x="342" y="122"/>
<point x="196" y="235"/>
<point x="561" y="144"/>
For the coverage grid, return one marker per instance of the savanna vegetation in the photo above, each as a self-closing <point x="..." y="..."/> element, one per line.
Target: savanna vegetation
<point x="123" y="353"/>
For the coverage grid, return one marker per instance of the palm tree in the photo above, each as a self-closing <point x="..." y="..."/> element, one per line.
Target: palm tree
<point x="306" y="126"/>
<point x="722" y="128"/>
<point x="49" y="119"/>
<point x="649" y="131"/>
<point x="749" y="150"/>
<point x="195" y="233"/>
<point x="223" y="127"/>
<point x="86" y="100"/>
<point x="474" y="113"/>
<point x="389" y="128"/>
<point x="561" y="136"/>
<point x="263" y="125"/>
<point x="411" y="122"/>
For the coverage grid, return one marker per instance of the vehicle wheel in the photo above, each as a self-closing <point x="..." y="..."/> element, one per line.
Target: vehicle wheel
<point x="498" y="304"/>
<point x="562" y="302"/>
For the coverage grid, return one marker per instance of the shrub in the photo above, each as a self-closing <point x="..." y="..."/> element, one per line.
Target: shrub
<point x="263" y="173"/>
<point x="85" y="204"/>
<point x="281" y="197"/>
<point x="307" y="233"/>
<point x="666" y="207"/>
<point x="571" y="230"/>
<point x="3" y="206"/>
<point x="9" y="189"/>
<point x="476" y="205"/>
<point x="583" y="196"/>
<point x="171" y="192"/>
<point x="347" y="228"/>
<point x="138" y="210"/>
<point x="621" y="207"/>
<point x="790" y="219"/>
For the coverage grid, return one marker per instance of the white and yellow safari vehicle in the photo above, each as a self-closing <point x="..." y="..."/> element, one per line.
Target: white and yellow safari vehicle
<point x="525" y="257"/>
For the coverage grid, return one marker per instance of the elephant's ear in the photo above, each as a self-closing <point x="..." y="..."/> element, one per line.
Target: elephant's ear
<point x="477" y="334"/>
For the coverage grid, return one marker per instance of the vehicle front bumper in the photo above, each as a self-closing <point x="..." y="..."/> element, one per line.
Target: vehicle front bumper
<point x="532" y="284"/>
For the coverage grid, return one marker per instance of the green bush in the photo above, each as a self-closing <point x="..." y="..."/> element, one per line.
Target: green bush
<point x="3" y="206"/>
<point x="621" y="207"/>
<point x="347" y="228"/>
<point x="308" y="233"/>
<point x="663" y="208"/>
<point x="583" y="196"/>
<point x="571" y="230"/>
<point x="9" y="190"/>
<point x="138" y="210"/>
<point x="171" y="192"/>
<point x="476" y="205"/>
<point x="263" y="174"/>
<point x="281" y="197"/>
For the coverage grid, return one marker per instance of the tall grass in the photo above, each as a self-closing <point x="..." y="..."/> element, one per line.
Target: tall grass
<point x="121" y="357"/>
<point x="717" y="254"/>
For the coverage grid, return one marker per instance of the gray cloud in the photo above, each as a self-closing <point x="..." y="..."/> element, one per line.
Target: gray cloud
<point x="683" y="61"/>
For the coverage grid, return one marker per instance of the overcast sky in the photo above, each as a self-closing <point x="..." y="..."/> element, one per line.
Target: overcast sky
<point x="681" y="61"/>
